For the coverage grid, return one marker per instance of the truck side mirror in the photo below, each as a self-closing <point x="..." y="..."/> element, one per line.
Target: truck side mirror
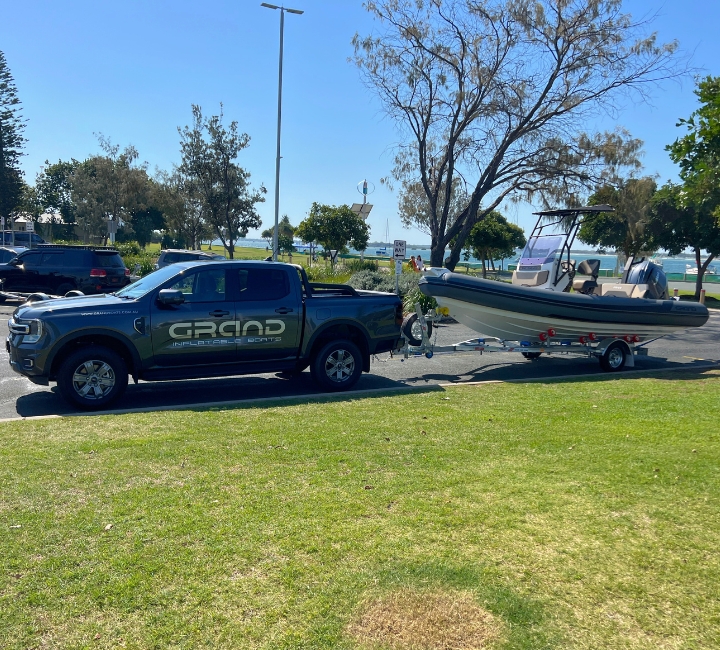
<point x="15" y="261"/>
<point x="169" y="297"/>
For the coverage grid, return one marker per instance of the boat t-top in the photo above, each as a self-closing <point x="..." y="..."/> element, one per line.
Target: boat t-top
<point x="551" y="299"/>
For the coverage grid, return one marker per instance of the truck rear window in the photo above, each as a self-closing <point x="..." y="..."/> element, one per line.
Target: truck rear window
<point x="108" y="260"/>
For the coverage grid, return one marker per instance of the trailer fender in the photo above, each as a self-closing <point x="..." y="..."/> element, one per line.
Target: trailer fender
<point x="602" y="347"/>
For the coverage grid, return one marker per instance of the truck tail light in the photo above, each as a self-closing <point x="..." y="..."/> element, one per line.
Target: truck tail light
<point x="398" y="314"/>
<point x="127" y="271"/>
<point x="98" y="273"/>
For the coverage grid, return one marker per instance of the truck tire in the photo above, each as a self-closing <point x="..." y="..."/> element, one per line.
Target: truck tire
<point x="337" y="365"/>
<point x="93" y="377"/>
<point x="64" y="288"/>
<point x="412" y="329"/>
<point x="613" y="359"/>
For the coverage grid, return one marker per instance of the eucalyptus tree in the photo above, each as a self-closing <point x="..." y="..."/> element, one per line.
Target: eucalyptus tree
<point x="500" y="93"/>
<point x="222" y="187"/>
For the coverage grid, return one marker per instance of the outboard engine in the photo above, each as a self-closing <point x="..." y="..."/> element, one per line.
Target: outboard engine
<point x="653" y="276"/>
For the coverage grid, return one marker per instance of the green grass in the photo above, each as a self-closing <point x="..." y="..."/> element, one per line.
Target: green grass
<point x="581" y="515"/>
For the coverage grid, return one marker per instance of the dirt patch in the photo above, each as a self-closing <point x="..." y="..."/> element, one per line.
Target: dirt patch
<point x="425" y="621"/>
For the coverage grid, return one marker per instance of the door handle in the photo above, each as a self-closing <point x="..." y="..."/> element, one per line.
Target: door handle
<point x="219" y="312"/>
<point x="283" y="310"/>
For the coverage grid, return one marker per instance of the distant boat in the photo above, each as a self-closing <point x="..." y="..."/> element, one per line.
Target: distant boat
<point x="383" y="250"/>
<point x="693" y="270"/>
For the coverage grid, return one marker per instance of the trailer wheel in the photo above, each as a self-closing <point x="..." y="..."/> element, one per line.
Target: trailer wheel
<point x="93" y="377"/>
<point x="531" y="355"/>
<point x="613" y="359"/>
<point x="337" y="366"/>
<point x="412" y="329"/>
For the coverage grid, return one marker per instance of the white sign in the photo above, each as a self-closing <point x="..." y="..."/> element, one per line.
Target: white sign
<point x="29" y="227"/>
<point x="333" y="256"/>
<point x="399" y="249"/>
<point x="398" y="267"/>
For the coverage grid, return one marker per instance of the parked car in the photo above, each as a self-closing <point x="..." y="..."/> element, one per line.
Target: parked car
<point x="7" y="253"/>
<point x="175" y="255"/>
<point x="13" y="238"/>
<point x="195" y="320"/>
<point x="56" y="269"/>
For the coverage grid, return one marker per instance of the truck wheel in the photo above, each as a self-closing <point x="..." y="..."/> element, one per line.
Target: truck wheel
<point x="92" y="378"/>
<point x="413" y="330"/>
<point x="337" y="366"/>
<point x="614" y="357"/>
<point x="531" y="355"/>
<point x="64" y="288"/>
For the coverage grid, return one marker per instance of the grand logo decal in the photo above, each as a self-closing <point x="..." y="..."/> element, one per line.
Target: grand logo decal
<point x="227" y="329"/>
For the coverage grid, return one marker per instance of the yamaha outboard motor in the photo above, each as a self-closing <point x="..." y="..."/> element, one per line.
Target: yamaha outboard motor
<point x="653" y="276"/>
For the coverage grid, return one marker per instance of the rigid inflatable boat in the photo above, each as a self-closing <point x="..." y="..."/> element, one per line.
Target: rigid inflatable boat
<point x="538" y="305"/>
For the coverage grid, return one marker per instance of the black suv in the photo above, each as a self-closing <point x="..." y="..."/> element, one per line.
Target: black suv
<point x="59" y="269"/>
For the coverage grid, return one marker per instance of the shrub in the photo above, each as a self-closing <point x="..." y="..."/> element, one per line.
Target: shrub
<point x="356" y="265"/>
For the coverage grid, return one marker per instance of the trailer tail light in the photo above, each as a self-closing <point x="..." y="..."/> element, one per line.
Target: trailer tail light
<point x="98" y="273"/>
<point x="542" y="336"/>
<point x="636" y="338"/>
<point x="551" y="332"/>
<point x="592" y="336"/>
<point x="582" y="340"/>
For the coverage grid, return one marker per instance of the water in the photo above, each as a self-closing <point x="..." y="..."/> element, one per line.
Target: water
<point x="607" y="262"/>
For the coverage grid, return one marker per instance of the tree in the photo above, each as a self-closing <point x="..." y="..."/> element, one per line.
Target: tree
<point x="109" y="186"/>
<point x="212" y="177"/>
<point x="11" y="142"/>
<point x="182" y="209"/>
<point x="688" y="215"/>
<point x="414" y="207"/>
<point x="53" y="186"/>
<point x="334" y="227"/>
<point x="498" y="91"/>
<point x="286" y="233"/>
<point x="679" y="221"/>
<point x="624" y="229"/>
<point x="494" y="238"/>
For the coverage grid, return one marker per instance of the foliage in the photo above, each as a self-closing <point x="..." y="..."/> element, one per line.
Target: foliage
<point x="494" y="238"/>
<point x="136" y="258"/>
<point x="286" y="232"/>
<point x="53" y="186"/>
<point x="110" y="186"/>
<point x="498" y="92"/>
<point x="11" y="142"/>
<point x="415" y="210"/>
<point x="624" y="229"/>
<point x="576" y="523"/>
<point x="183" y="211"/>
<point x="688" y="215"/>
<point x="355" y="265"/>
<point x="328" y="273"/>
<point x="213" y="180"/>
<point x="334" y="227"/>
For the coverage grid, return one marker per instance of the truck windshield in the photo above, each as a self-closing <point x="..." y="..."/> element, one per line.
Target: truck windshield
<point x="148" y="283"/>
<point x="540" y="250"/>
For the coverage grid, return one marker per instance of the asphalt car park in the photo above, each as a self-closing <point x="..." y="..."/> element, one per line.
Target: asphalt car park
<point x="696" y="348"/>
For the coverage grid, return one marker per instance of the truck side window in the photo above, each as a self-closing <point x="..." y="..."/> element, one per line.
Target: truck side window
<point x="263" y="284"/>
<point x="202" y="286"/>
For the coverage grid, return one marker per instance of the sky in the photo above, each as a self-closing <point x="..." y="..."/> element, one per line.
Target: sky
<point x="132" y="70"/>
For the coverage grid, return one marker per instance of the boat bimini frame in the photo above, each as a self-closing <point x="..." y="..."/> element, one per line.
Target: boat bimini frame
<point x="545" y="262"/>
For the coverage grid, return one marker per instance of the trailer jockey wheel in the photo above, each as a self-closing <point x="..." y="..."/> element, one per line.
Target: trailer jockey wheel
<point x="413" y="330"/>
<point x="614" y="357"/>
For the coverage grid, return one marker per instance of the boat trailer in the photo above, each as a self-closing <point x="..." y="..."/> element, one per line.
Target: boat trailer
<point x="613" y="353"/>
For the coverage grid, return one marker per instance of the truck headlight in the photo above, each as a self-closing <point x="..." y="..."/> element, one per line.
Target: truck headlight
<point x="31" y="329"/>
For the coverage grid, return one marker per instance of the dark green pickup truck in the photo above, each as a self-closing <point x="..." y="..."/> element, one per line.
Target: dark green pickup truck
<point x="209" y="319"/>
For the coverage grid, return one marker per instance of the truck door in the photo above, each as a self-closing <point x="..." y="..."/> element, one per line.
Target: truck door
<point x="268" y="310"/>
<point x="201" y="330"/>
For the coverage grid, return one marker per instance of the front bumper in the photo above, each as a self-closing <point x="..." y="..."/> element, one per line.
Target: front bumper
<point x="26" y="361"/>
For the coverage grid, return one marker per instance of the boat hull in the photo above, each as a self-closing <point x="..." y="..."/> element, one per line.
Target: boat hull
<point x="517" y="313"/>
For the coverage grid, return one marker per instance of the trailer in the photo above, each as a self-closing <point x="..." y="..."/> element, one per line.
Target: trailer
<point x="613" y="353"/>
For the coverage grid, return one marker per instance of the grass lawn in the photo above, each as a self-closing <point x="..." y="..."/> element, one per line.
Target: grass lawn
<point x="581" y="515"/>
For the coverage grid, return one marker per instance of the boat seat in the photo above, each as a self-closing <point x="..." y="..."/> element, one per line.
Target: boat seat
<point x="587" y="267"/>
<point x="625" y="290"/>
<point x="529" y="278"/>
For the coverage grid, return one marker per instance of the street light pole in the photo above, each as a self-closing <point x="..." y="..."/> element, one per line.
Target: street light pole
<point x="279" y="121"/>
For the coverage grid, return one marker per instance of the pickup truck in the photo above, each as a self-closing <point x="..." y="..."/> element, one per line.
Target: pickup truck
<point x="202" y="319"/>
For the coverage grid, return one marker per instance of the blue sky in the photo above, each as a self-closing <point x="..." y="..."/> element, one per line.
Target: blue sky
<point x="131" y="70"/>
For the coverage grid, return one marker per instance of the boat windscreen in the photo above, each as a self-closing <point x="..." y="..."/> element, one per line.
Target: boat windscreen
<point x="540" y="250"/>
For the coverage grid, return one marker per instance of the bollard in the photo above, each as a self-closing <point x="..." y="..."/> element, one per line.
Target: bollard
<point x="675" y="293"/>
<point x="702" y="296"/>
